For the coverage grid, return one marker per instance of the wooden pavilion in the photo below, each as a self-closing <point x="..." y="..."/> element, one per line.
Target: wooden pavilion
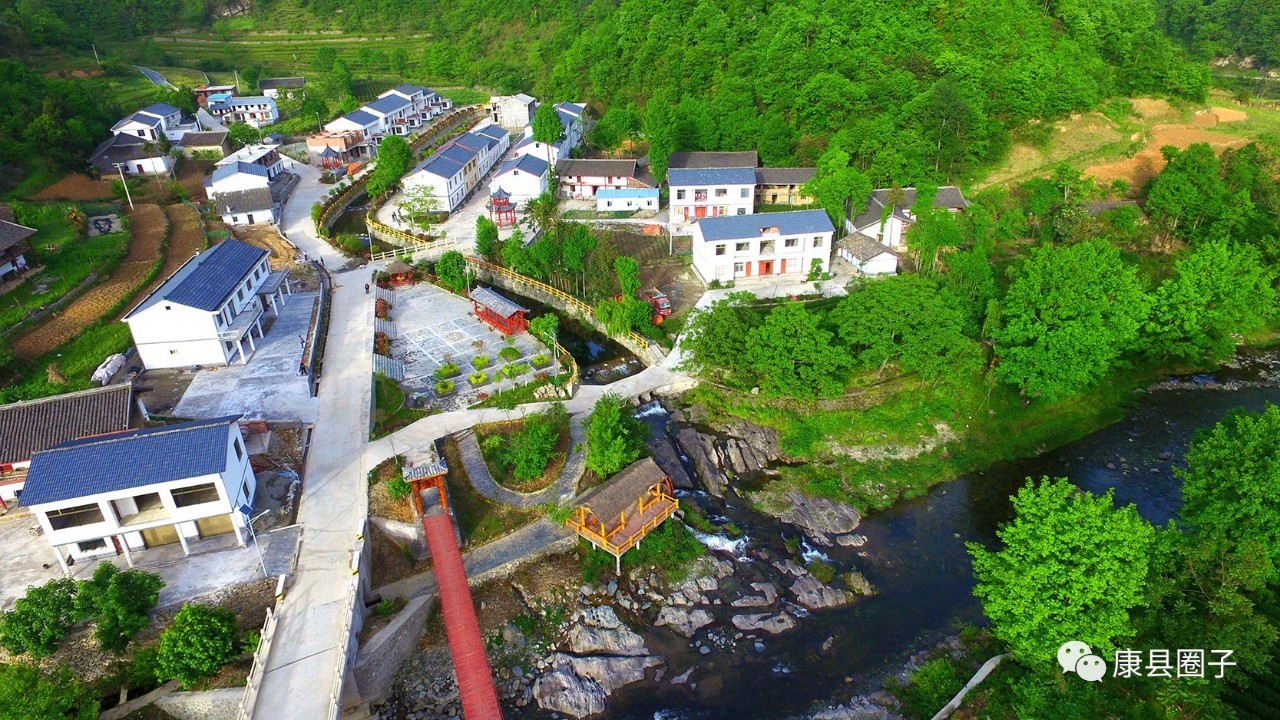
<point x="401" y="273"/>
<point x="501" y="211"/>
<point x="426" y="475"/>
<point x="498" y="311"/>
<point x="616" y="516"/>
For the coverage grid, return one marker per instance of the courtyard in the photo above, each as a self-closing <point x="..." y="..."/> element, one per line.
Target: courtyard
<point x="434" y="327"/>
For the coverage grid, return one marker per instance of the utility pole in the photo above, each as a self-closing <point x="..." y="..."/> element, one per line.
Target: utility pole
<point x="237" y="75"/>
<point x="95" y="54"/>
<point x="125" y="183"/>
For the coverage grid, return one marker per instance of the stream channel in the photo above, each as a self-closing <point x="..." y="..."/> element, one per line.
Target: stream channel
<point x="915" y="557"/>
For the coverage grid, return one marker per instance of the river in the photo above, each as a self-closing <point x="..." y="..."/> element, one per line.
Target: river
<point x="916" y="558"/>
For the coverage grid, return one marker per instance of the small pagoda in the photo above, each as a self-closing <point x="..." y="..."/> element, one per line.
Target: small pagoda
<point x="501" y="211"/>
<point x="400" y="272"/>
<point x="428" y="473"/>
<point x="617" y="515"/>
<point x="504" y="315"/>
<point x="330" y="159"/>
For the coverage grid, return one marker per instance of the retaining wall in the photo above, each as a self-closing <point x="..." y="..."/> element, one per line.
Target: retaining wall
<point x="381" y="657"/>
<point x="221" y="704"/>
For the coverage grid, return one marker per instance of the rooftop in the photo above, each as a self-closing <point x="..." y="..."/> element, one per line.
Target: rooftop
<point x="34" y="425"/>
<point x="862" y="247"/>
<point x="122" y="149"/>
<point x="273" y="83"/>
<point x="622" y="490"/>
<point x="746" y="158"/>
<point x="948" y="197"/>
<point x="138" y="458"/>
<point x="388" y="104"/>
<point x="500" y="306"/>
<point x="687" y="177"/>
<point x="236" y="202"/>
<point x="206" y="280"/>
<point x="624" y="167"/>
<point x="528" y="163"/>
<point x="207" y="138"/>
<point x="12" y="233"/>
<point x="741" y="227"/>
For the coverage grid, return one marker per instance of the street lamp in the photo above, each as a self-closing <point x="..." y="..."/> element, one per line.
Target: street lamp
<point x="244" y="510"/>
<point x="125" y="183"/>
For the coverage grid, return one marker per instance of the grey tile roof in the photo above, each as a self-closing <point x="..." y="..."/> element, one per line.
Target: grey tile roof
<point x="238" y="202"/>
<point x="527" y="163"/>
<point x="161" y="109"/>
<point x="623" y="167"/>
<point x="34" y="425"/>
<point x="495" y="302"/>
<point x="120" y="149"/>
<point x="206" y="280"/>
<point x="208" y="138"/>
<point x="784" y="176"/>
<point x="273" y="83"/>
<point x="862" y="247"/>
<point x="128" y="460"/>
<point x="12" y="233"/>
<point x="746" y="158"/>
<point x="688" y="177"/>
<point x="742" y="227"/>
<point x="148" y="120"/>
<point x="389" y="104"/>
<point x="222" y="172"/>
<point x="948" y="197"/>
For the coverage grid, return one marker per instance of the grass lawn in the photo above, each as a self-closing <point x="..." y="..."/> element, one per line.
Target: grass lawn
<point x="390" y="413"/>
<point x="465" y="96"/>
<point x="480" y="519"/>
<point x="76" y="360"/>
<point x="518" y="395"/>
<point x="67" y="258"/>
<point x="503" y="473"/>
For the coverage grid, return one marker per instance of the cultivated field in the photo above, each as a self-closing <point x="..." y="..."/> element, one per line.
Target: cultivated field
<point x="75" y="186"/>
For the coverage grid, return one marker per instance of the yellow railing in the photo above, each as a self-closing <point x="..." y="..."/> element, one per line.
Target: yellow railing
<point x="627" y="543"/>
<point x="413" y="240"/>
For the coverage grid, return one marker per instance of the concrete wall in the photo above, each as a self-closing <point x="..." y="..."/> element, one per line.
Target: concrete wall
<point x="400" y="533"/>
<point x="222" y="704"/>
<point x="381" y="657"/>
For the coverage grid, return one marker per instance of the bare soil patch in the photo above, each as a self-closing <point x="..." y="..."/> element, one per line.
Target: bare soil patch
<point x="1150" y="107"/>
<point x="1230" y="115"/>
<point x="148" y="229"/>
<point x="380" y="502"/>
<point x="1149" y="162"/>
<point x="391" y="561"/>
<point x="75" y="186"/>
<point x="267" y="238"/>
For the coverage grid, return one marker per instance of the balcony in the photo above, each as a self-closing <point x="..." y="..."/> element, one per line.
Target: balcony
<point x="241" y="323"/>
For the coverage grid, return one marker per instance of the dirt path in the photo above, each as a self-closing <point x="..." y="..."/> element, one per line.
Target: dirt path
<point x="148" y="228"/>
<point x="185" y="239"/>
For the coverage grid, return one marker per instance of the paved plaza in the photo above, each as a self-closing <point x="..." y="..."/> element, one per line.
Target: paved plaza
<point x="434" y="327"/>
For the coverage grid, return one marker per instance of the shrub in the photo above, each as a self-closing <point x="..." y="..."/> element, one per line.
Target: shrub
<point x="615" y="437"/>
<point x="25" y="692"/>
<point x="398" y="488"/>
<point x="529" y="451"/>
<point x="514" y="369"/>
<point x="540" y="360"/>
<point x="510" y="353"/>
<point x="200" y="640"/>
<point x="822" y="571"/>
<point x="39" y="621"/>
<point x="120" y="601"/>
<point x="250" y="640"/>
<point x="387" y="606"/>
<point x="380" y="309"/>
<point x="447" y="371"/>
<point x="444" y="387"/>
<point x="480" y="362"/>
<point x="477" y="379"/>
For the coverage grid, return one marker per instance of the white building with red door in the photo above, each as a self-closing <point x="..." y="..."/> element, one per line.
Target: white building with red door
<point x="697" y="193"/>
<point x="734" y="247"/>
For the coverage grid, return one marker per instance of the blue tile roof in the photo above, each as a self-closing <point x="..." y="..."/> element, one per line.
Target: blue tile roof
<point x="494" y="132"/>
<point x="389" y="104"/>
<point x="528" y="163"/>
<point x="686" y="177"/>
<point x="441" y="166"/>
<point x="110" y="463"/>
<point x="161" y="109"/>
<point x="458" y="153"/>
<point x="410" y="89"/>
<point x="742" y="227"/>
<point x="621" y="193"/>
<point x="205" y="281"/>
<point x="360" y="117"/>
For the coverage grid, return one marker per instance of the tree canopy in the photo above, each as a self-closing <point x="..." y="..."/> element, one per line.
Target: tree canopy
<point x="615" y="437"/>
<point x="394" y="160"/>
<point x="547" y="127"/>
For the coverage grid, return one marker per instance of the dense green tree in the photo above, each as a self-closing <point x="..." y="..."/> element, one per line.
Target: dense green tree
<point x="837" y="186"/>
<point x="201" y="639"/>
<point x="1069" y="315"/>
<point x="794" y="356"/>
<point x="249" y="78"/>
<point x="619" y="124"/>
<point x="486" y="237"/>
<point x="628" y="271"/>
<point x="715" y="338"/>
<point x="28" y="694"/>
<point x="576" y="246"/>
<point x="544" y="327"/>
<point x="547" y="127"/>
<point x="615" y="436"/>
<point x="1071" y="566"/>
<point x="242" y="134"/>
<point x="451" y="269"/>
<point x="660" y="127"/>
<point x="529" y="451"/>
<point x="1189" y="193"/>
<point x="40" y="619"/>
<point x="183" y="98"/>
<point x="120" y="602"/>
<point x="1220" y="289"/>
<point x="906" y="320"/>
<point x="324" y="59"/>
<point x="394" y="160"/>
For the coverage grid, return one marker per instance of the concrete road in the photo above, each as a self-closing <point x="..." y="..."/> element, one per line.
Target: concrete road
<point x="154" y="76"/>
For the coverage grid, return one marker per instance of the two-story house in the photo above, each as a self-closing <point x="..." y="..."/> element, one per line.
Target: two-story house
<point x="209" y="310"/>
<point x="253" y="110"/>
<point x="424" y="103"/>
<point x="152" y="122"/>
<point x="204" y="92"/>
<point x="30" y="426"/>
<point x="697" y="193"/>
<point x="444" y="179"/>
<point x="888" y="215"/>
<point x="523" y="179"/>
<point x="394" y="112"/>
<point x="14" y="243"/>
<point x="512" y="112"/>
<point x="288" y="87"/>
<point x="782" y="185"/>
<point x="584" y="178"/>
<point x="733" y="247"/>
<point x="118" y="493"/>
<point x="248" y="187"/>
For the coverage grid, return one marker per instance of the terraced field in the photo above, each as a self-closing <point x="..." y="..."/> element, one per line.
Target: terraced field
<point x="186" y="238"/>
<point x="149" y="227"/>
<point x="280" y="53"/>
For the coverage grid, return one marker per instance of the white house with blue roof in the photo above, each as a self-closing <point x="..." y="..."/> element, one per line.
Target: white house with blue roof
<point x="626" y="199"/>
<point x="698" y="193"/>
<point x="209" y="310"/>
<point x="241" y="186"/>
<point x="735" y="247"/>
<point x="118" y="493"/>
<point x="523" y="178"/>
<point x="151" y="122"/>
<point x="253" y="110"/>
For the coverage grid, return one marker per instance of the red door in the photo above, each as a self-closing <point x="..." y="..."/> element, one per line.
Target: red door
<point x="747" y="268"/>
<point x="139" y="168"/>
<point x="782" y="269"/>
<point x="766" y="267"/>
<point x="116" y="541"/>
<point x="700" y="212"/>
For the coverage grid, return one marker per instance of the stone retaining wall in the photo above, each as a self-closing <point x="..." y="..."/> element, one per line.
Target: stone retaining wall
<point x="381" y="657"/>
<point x="221" y="704"/>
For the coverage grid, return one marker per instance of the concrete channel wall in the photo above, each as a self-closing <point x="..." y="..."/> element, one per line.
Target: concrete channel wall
<point x="381" y="657"/>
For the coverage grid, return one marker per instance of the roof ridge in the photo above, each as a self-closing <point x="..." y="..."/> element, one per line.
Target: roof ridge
<point x="140" y="432"/>
<point x="114" y="387"/>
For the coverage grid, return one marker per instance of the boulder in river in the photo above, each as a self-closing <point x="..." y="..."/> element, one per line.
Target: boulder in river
<point x="701" y="451"/>
<point x="683" y="620"/>
<point x="819" y="517"/>
<point x="667" y="457"/>
<point x="768" y="596"/>
<point x="600" y="632"/>
<point x="813" y="595"/>
<point x="580" y="686"/>
<point x="772" y="624"/>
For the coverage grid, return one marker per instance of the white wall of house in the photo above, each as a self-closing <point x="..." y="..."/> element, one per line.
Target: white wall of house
<point x="139" y="129"/>
<point x="791" y="255"/>
<point x="235" y="486"/>
<point x="891" y="231"/>
<point x="627" y="203"/>
<point x="159" y="165"/>
<point x="882" y="264"/>
<point x="448" y="192"/>
<point x="523" y="186"/>
<point x="692" y="202"/>
<point x="586" y="186"/>
<point x="267" y="216"/>
<point x="549" y="153"/>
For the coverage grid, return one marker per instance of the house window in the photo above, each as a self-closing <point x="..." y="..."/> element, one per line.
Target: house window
<point x="244" y="490"/>
<point x="240" y="294"/>
<point x="91" y="545"/>
<point x="77" y="516"/>
<point x="790" y="242"/>
<point x="173" y="352"/>
<point x="722" y="192"/>
<point x="817" y="242"/>
<point x="742" y="247"/>
<point x="744" y="192"/>
<point x="739" y="268"/>
<point x="608" y="203"/>
<point x="719" y="249"/>
<point x="239" y="450"/>
<point x="742" y="211"/>
<point x="195" y="495"/>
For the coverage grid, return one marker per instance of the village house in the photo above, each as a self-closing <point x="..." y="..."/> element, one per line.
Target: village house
<point x="425" y="103"/>
<point x="133" y="155"/>
<point x="573" y="124"/>
<point x="456" y="168"/>
<point x="254" y="110"/>
<point x="513" y="112"/>
<point x="733" y="247"/>
<point x="522" y="179"/>
<point x="153" y="122"/>
<point x="287" y="87"/>
<point x="209" y="310"/>
<point x="119" y="493"/>
<point x="30" y="426"/>
<point x="395" y="113"/>
<point x="697" y="193"/>
<point x="336" y="149"/>
<point x="581" y="179"/>
<point x="711" y="160"/>
<point x="205" y="141"/>
<point x="866" y="255"/>
<point x="204" y="92"/>
<point x="402" y="110"/>
<point x="249" y="187"/>
<point x="626" y="199"/>
<point x="781" y="186"/>
<point x="887" y="218"/>
<point x="14" y="244"/>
